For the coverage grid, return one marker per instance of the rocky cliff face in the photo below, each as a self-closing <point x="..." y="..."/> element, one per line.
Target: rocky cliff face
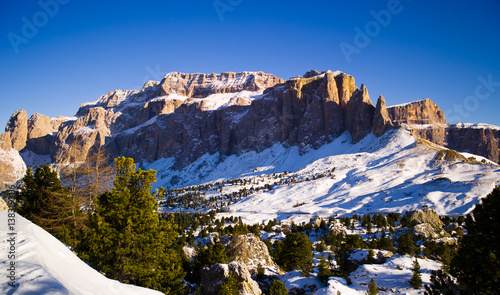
<point x="427" y="121"/>
<point x="423" y="117"/>
<point x="188" y="115"/>
<point x="212" y="279"/>
<point x="477" y="139"/>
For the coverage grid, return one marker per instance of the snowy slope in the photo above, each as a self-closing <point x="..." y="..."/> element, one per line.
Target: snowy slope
<point x="394" y="173"/>
<point x="46" y="266"/>
<point x="386" y="275"/>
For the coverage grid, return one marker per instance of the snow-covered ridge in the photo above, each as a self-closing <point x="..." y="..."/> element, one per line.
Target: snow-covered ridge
<point x="476" y="126"/>
<point x="394" y="173"/>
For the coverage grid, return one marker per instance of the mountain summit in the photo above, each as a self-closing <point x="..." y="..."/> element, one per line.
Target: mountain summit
<point x="185" y="116"/>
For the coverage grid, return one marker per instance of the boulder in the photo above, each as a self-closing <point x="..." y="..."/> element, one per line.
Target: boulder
<point x="12" y="167"/>
<point x="250" y="251"/>
<point x="425" y="216"/>
<point x="429" y="230"/>
<point x="212" y="278"/>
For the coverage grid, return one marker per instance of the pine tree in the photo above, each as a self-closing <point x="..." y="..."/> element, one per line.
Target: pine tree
<point x="126" y="238"/>
<point x="416" y="278"/>
<point x="477" y="263"/>
<point x="441" y="284"/>
<point x="406" y="245"/>
<point x="372" y="288"/>
<point x="44" y="201"/>
<point x="278" y="288"/>
<point x="230" y="286"/>
<point x="296" y="253"/>
<point x="324" y="271"/>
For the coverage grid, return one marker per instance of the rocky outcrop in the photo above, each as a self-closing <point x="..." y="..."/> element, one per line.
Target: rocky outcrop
<point x="74" y="140"/>
<point x="424" y="119"/>
<point x="476" y="139"/>
<point x="359" y="114"/>
<point x="381" y="120"/>
<point x="425" y="216"/>
<point x="5" y="141"/>
<point x="41" y="130"/>
<point x="12" y="167"/>
<point x="203" y="85"/>
<point x="430" y="231"/>
<point x="250" y="251"/>
<point x="212" y="279"/>
<point x="17" y="129"/>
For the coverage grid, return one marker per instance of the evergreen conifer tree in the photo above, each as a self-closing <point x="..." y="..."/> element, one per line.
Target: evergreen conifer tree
<point x="230" y="286"/>
<point x="278" y="288"/>
<point x="296" y="253"/>
<point x="44" y="201"/>
<point x="324" y="271"/>
<point x="416" y="278"/>
<point x="477" y="263"/>
<point x="372" y="288"/>
<point x="126" y="238"/>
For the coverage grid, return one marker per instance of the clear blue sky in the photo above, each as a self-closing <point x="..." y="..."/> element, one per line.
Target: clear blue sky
<point x="84" y="49"/>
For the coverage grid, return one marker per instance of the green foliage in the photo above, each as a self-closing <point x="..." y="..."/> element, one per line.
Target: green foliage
<point x="296" y="253"/>
<point x="37" y="189"/>
<point x="439" y="251"/>
<point x="45" y="202"/>
<point x="477" y="263"/>
<point x="372" y="288"/>
<point x="208" y="256"/>
<point x="416" y="278"/>
<point x="127" y="240"/>
<point x="230" y="286"/>
<point x="324" y="271"/>
<point x="441" y="284"/>
<point x="278" y="288"/>
<point x="406" y="245"/>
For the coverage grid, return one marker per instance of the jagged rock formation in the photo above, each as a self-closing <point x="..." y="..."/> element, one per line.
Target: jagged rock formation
<point x="17" y="129"/>
<point x="203" y="85"/>
<point x="185" y="116"/>
<point x="250" y="251"/>
<point x="425" y="216"/>
<point x="359" y="114"/>
<point x="429" y="230"/>
<point x="212" y="278"/>
<point x="381" y="120"/>
<point x="423" y="117"/>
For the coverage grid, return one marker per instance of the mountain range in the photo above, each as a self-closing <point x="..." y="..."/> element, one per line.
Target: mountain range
<point x="187" y="117"/>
